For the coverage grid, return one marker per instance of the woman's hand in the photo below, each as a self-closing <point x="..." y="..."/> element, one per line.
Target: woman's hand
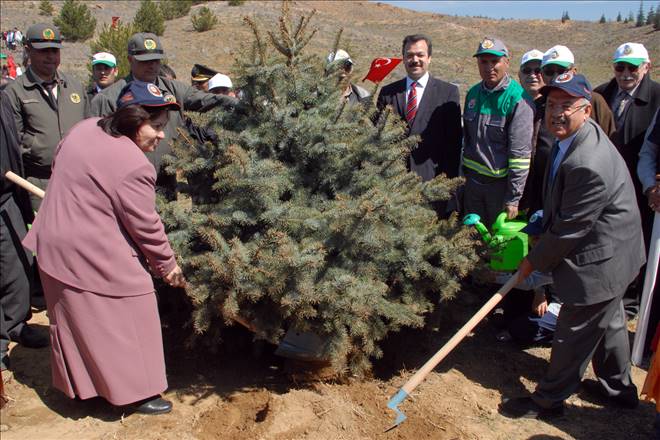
<point x="175" y="278"/>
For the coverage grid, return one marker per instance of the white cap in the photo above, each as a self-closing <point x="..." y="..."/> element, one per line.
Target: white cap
<point x="532" y="55"/>
<point x="338" y="56"/>
<point x="632" y="53"/>
<point x="560" y="55"/>
<point x="104" y="58"/>
<point x="219" y="80"/>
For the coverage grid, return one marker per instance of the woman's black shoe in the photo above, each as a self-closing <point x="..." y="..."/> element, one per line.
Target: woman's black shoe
<point x="154" y="405"/>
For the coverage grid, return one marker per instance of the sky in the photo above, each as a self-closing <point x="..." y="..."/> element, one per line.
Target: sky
<point x="577" y="10"/>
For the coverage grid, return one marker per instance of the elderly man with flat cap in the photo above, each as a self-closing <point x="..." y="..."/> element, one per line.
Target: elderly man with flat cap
<point x="498" y="121"/>
<point x="145" y="53"/>
<point x="592" y="244"/>
<point x="46" y="104"/>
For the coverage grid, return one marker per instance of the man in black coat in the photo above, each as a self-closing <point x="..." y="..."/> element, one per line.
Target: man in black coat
<point x="634" y="98"/>
<point x="431" y="108"/>
<point x="15" y="262"/>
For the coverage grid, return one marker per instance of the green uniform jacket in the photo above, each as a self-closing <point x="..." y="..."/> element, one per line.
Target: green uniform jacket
<point x="40" y="126"/>
<point x="105" y="103"/>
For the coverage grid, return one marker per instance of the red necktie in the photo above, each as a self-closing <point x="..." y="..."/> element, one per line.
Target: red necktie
<point x="411" y="108"/>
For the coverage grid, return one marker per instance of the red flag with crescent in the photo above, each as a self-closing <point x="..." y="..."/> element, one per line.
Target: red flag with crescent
<point x="380" y="68"/>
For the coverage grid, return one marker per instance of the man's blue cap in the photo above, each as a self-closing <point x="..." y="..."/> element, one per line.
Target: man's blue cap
<point x="147" y="95"/>
<point x="572" y="83"/>
<point x="535" y="225"/>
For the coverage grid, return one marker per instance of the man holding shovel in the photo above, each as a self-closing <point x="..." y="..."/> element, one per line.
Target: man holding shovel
<point x="592" y="243"/>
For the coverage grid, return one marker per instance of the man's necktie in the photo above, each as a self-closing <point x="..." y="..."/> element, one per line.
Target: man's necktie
<point x="411" y="108"/>
<point x="49" y="86"/>
<point x="554" y="164"/>
<point x="621" y="109"/>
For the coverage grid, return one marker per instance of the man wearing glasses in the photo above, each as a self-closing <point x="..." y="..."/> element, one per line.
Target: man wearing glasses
<point x="556" y="61"/>
<point x="591" y="242"/>
<point x="634" y="98"/>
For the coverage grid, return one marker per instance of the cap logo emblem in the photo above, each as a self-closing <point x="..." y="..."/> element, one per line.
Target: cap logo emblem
<point x="554" y="54"/>
<point x="149" y="44"/>
<point x="127" y="97"/>
<point x="170" y="99"/>
<point x="627" y="50"/>
<point x="487" y="43"/>
<point x="75" y="98"/>
<point x="564" y="77"/>
<point x="154" y="90"/>
<point x="48" y="34"/>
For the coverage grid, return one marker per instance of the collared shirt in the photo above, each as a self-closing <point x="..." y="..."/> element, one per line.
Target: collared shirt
<point x="421" y="86"/>
<point x="562" y="148"/>
<point x="37" y="79"/>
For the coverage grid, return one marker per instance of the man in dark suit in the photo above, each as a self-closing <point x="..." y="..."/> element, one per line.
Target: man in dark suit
<point x="634" y="98"/>
<point x="431" y="108"/>
<point x="592" y="244"/>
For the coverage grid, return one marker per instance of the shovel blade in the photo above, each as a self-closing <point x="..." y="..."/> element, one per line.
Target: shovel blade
<point x="393" y="404"/>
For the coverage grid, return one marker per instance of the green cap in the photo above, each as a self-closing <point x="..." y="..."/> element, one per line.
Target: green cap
<point x="492" y="46"/>
<point x="2" y="56"/>
<point x="145" y="47"/>
<point x="43" y="36"/>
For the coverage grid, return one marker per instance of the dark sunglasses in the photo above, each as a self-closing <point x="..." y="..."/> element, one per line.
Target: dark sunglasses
<point x="552" y="71"/>
<point x="529" y="70"/>
<point x="620" y="67"/>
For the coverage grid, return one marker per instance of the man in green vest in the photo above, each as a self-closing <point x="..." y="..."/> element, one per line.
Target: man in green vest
<point x="498" y="121"/>
<point x="46" y="103"/>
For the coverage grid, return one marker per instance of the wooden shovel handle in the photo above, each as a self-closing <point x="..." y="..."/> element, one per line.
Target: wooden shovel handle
<point x="18" y="180"/>
<point x="459" y="336"/>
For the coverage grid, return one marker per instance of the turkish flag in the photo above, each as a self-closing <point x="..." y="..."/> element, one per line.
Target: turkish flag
<point x="380" y="68"/>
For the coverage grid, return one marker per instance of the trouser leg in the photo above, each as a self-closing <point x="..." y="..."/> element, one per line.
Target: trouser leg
<point x="580" y="332"/>
<point x="485" y="199"/>
<point x="15" y="267"/>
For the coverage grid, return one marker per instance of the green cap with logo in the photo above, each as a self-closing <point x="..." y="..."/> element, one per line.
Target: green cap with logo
<point x="492" y="46"/>
<point x="145" y="47"/>
<point x="43" y="36"/>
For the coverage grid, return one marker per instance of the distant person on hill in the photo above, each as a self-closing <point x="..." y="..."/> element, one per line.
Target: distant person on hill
<point x="145" y="53"/>
<point x="498" y="122"/>
<point x="104" y="73"/>
<point x="431" y="109"/>
<point x="200" y="76"/>
<point x="556" y="61"/>
<point x="353" y="94"/>
<point x="634" y="98"/>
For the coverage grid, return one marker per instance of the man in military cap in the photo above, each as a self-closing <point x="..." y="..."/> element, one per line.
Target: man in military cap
<point x="46" y="104"/>
<point x="497" y="125"/>
<point x="104" y="72"/>
<point x="145" y="53"/>
<point x="200" y="76"/>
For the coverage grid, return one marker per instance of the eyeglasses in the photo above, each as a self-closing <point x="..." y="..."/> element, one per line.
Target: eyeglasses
<point x="621" y="67"/>
<point x="565" y="108"/>
<point x="552" y="71"/>
<point x="529" y="70"/>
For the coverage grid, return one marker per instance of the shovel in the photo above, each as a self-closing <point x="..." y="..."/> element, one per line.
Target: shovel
<point x="421" y="374"/>
<point x="18" y="180"/>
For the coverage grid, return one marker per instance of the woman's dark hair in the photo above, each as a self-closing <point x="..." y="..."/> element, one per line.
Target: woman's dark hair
<point x="127" y="120"/>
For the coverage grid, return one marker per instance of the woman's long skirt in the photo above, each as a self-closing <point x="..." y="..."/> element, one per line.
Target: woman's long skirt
<point x="103" y="345"/>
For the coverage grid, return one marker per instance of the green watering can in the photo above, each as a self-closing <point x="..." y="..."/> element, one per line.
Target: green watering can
<point x="509" y="245"/>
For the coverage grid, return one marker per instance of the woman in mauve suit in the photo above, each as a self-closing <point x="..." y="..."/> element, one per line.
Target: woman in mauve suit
<point x="96" y="233"/>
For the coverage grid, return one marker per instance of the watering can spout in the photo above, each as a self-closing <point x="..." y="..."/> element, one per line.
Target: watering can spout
<point x="475" y="220"/>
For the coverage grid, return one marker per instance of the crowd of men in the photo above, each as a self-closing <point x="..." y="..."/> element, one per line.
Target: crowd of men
<point x="546" y="142"/>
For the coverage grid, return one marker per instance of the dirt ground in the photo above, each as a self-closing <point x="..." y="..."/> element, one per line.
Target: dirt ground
<point x="246" y="392"/>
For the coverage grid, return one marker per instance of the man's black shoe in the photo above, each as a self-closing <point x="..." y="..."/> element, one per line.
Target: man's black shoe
<point x="595" y="389"/>
<point x="154" y="405"/>
<point x="525" y="407"/>
<point x="33" y="338"/>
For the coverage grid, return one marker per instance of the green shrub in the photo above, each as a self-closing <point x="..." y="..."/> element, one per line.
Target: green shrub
<point x="149" y="18"/>
<point x="172" y="9"/>
<point x="75" y="21"/>
<point x="204" y="20"/>
<point x="235" y="2"/>
<point x="45" y="8"/>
